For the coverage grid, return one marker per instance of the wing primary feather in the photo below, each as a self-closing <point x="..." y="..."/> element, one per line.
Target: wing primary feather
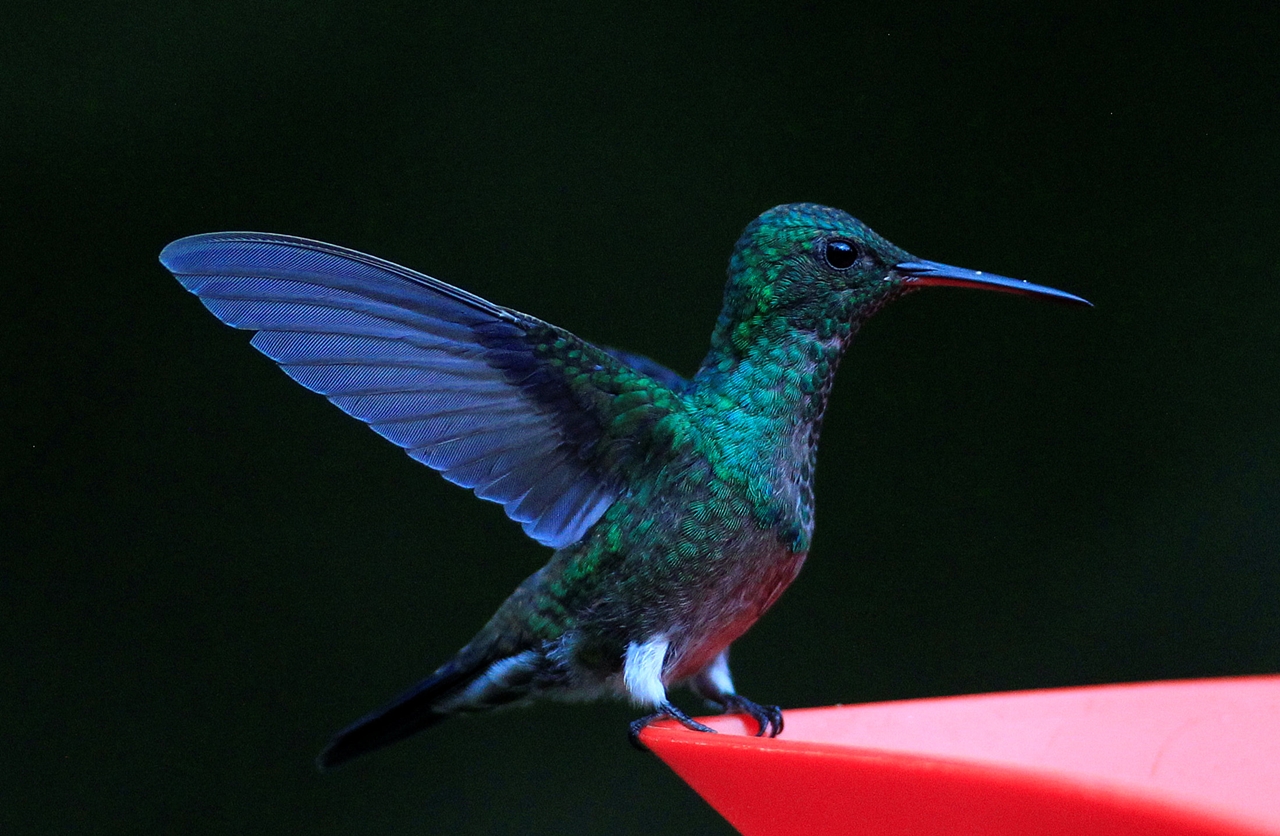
<point x="467" y="387"/>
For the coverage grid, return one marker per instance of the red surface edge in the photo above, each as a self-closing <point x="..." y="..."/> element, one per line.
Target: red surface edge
<point x="1178" y="758"/>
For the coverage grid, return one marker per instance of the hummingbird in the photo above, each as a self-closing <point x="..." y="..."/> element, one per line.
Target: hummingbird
<point x="678" y="509"/>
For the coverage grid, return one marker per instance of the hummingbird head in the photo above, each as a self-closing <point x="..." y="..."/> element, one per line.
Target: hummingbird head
<point x="811" y="268"/>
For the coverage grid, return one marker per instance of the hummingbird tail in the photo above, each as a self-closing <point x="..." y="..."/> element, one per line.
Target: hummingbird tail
<point x="472" y="681"/>
<point x="411" y="712"/>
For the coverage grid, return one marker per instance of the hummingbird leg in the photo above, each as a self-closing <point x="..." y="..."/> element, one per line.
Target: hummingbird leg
<point x="665" y="710"/>
<point x="714" y="684"/>
<point x="642" y="675"/>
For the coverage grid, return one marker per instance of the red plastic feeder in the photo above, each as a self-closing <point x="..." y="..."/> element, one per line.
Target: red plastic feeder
<point x="1171" y="758"/>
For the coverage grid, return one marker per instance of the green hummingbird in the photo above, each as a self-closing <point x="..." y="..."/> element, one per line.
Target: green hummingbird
<point x="678" y="509"/>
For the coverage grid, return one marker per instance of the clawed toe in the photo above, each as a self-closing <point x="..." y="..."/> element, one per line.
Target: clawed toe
<point x="665" y="710"/>
<point x="767" y="717"/>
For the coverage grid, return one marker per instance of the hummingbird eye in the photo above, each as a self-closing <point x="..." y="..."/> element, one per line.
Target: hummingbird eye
<point x="840" y="254"/>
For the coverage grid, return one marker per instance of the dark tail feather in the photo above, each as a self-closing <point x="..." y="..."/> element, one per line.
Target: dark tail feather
<point x="408" y="714"/>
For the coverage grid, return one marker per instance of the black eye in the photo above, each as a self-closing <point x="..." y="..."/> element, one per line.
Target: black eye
<point x="841" y="254"/>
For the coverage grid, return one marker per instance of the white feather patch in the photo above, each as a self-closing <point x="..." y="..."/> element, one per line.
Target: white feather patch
<point x="717" y="673"/>
<point x="495" y="678"/>
<point x="642" y="671"/>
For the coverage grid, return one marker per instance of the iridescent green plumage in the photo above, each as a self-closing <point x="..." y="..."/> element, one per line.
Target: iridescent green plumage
<point x="680" y="509"/>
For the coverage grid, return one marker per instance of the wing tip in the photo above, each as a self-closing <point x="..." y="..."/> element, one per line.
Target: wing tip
<point x="173" y="254"/>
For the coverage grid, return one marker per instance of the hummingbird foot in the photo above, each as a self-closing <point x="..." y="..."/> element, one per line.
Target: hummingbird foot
<point x="767" y="717"/>
<point x="664" y="711"/>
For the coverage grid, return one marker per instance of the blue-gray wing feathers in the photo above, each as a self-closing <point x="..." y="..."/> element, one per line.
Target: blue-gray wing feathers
<point x="430" y="367"/>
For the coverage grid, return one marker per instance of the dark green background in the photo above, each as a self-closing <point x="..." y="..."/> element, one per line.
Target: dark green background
<point x="211" y="569"/>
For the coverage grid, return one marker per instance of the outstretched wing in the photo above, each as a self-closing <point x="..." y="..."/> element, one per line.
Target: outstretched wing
<point x="523" y="413"/>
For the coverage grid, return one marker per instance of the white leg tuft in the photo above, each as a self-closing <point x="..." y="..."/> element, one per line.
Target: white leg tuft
<point x="717" y="674"/>
<point x="642" y="671"/>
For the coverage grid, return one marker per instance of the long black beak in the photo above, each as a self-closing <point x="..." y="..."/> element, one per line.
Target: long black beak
<point x="921" y="273"/>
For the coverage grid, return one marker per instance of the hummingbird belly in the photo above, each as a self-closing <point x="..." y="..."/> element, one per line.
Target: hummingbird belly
<point x="738" y="607"/>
